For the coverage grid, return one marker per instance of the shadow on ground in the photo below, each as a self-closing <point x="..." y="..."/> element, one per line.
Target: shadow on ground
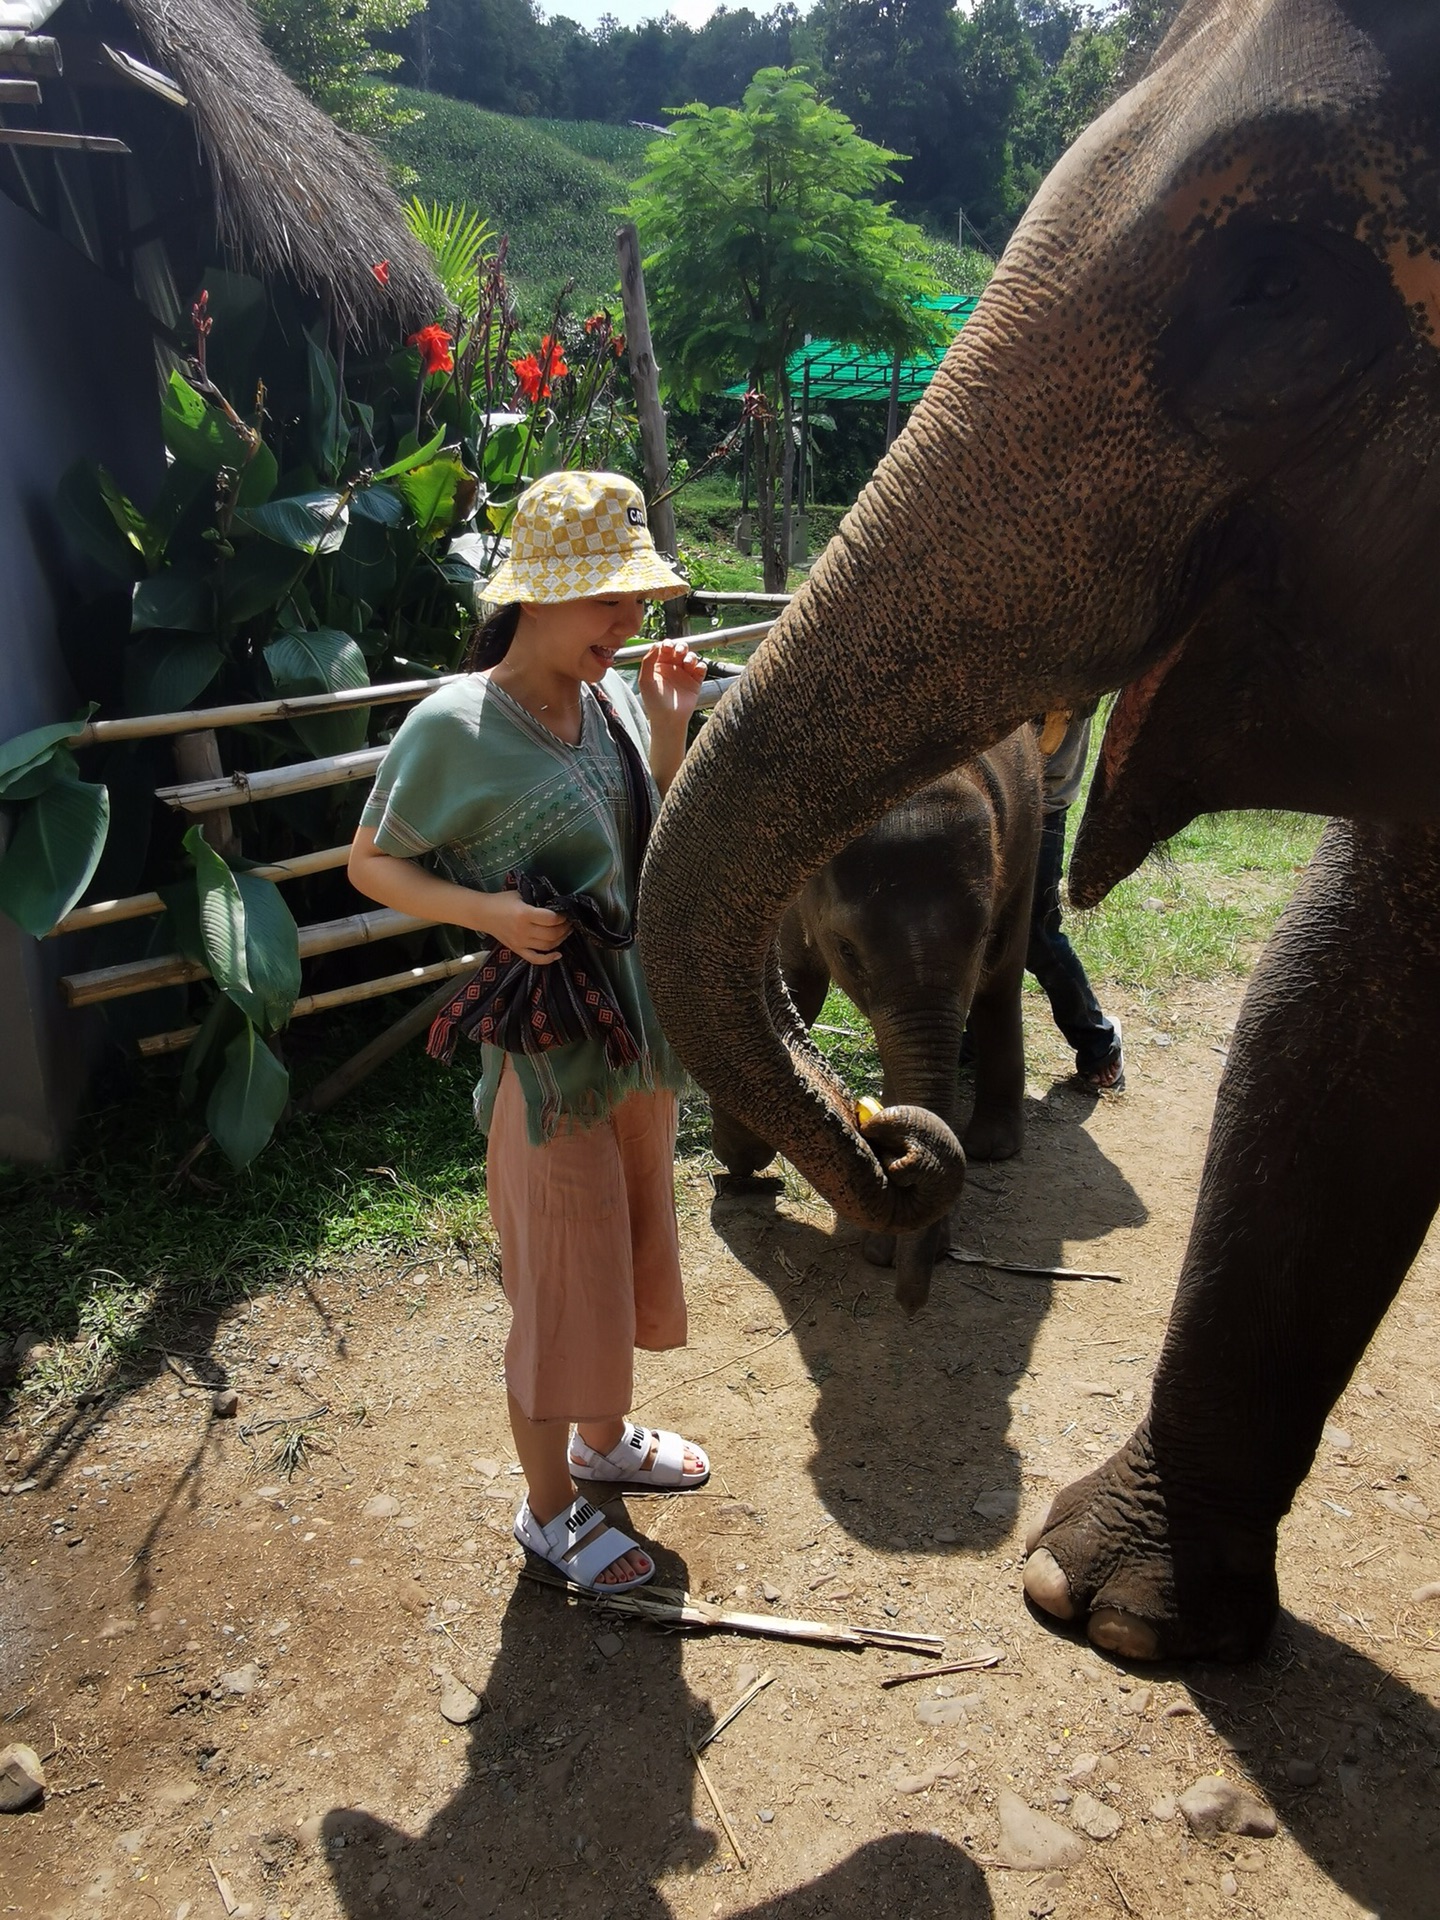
<point x="579" y="1799"/>
<point x="912" y="1415"/>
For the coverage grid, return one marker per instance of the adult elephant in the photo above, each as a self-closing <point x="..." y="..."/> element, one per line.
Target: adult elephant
<point x="1189" y="444"/>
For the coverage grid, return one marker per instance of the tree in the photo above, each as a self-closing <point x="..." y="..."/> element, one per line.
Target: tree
<point x="326" y="48"/>
<point x="760" y="227"/>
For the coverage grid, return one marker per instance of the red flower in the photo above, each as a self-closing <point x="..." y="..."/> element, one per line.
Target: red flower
<point x="529" y="379"/>
<point x="552" y="359"/>
<point x="381" y="271"/>
<point x="618" y="343"/>
<point x="598" y="325"/>
<point x="434" y="344"/>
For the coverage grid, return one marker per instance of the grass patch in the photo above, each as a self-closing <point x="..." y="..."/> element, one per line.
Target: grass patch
<point x="552" y="185"/>
<point x="100" y="1255"/>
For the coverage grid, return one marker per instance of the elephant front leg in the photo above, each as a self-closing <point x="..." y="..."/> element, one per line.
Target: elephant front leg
<point x="997" y="1121"/>
<point x="1321" y="1178"/>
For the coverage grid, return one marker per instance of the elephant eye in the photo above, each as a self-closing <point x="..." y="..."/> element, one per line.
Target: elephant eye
<point x="1266" y="284"/>
<point x="847" y="955"/>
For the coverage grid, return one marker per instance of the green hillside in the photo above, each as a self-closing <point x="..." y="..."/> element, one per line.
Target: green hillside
<point x="552" y="185"/>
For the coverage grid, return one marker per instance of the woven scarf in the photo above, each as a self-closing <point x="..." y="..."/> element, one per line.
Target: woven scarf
<point x="509" y="1002"/>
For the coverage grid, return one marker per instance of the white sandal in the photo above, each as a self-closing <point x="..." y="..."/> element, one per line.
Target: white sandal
<point x="574" y="1545"/>
<point x="667" y="1469"/>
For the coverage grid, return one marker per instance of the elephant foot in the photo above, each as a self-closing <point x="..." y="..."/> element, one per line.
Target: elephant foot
<point x="994" y="1134"/>
<point x="1152" y="1575"/>
<point x="879" y="1249"/>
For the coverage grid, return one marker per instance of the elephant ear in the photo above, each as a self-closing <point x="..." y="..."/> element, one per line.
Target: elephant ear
<point x="1407" y="33"/>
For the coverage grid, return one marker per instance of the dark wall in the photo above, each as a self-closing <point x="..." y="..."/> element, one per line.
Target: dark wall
<point x="77" y="379"/>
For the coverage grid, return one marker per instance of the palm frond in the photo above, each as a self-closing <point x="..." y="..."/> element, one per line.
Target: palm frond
<point x="457" y="239"/>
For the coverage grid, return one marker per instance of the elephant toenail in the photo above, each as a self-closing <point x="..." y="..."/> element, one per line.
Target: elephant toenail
<point x="1036" y="1531"/>
<point x="1122" y="1633"/>
<point x="1047" y="1585"/>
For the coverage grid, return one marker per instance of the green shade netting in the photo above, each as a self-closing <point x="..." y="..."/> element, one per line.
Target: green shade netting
<point x="838" y="372"/>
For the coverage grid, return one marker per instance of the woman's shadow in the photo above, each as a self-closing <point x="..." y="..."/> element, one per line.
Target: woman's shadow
<point x="580" y="1795"/>
<point x="911" y="1419"/>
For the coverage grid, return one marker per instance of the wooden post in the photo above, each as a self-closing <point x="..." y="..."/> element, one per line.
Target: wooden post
<point x="197" y="757"/>
<point x="645" y="377"/>
<point x="892" y="418"/>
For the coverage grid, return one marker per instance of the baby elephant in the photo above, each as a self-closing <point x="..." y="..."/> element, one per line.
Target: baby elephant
<point x="923" y="922"/>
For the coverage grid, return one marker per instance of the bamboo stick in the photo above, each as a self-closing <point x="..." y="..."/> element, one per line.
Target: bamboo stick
<point x="240" y="789"/>
<point x="173" y="969"/>
<point x="197" y="757"/>
<point x="709" y="1786"/>
<point x="152" y="726"/>
<point x="136" y="906"/>
<point x="178" y="1038"/>
<point x="650" y="415"/>
<point x="67" y="142"/>
<point x="701" y="642"/>
<point x="752" y="1692"/>
<point x="977" y="1665"/>
<point x="705" y="597"/>
<point x="669" y="1607"/>
<point x="1033" y="1273"/>
<point x="408" y="1027"/>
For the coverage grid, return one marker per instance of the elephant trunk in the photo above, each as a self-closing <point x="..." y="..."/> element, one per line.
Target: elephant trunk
<point x="919" y="1050"/>
<point x="944" y="613"/>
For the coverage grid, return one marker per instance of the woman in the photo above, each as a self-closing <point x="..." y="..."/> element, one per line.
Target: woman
<point x="523" y="773"/>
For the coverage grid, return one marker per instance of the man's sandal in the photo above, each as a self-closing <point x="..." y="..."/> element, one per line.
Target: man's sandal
<point x="665" y="1453"/>
<point x="580" y="1543"/>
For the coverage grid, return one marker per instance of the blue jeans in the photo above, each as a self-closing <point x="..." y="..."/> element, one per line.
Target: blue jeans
<point x="1057" y="966"/>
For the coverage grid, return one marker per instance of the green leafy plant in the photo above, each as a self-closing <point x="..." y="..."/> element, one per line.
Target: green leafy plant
<point x="333" y="535"/>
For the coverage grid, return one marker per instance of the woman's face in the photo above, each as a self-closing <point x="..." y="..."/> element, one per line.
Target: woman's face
<point x="579" y="638"/>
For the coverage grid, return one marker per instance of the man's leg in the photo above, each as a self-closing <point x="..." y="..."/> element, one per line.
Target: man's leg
<point x="1057" y="966"/>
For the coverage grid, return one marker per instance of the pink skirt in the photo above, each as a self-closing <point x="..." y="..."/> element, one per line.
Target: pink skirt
<point x="589" y="1253"/>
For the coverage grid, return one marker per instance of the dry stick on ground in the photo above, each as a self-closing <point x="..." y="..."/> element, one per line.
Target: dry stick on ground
<point x="709" y="1786"/>
<point x="735" y="1359"/>
<point x="1038" y="1273"/>
<point x="751" y="1692"/>
<point x="934" y="1673"/>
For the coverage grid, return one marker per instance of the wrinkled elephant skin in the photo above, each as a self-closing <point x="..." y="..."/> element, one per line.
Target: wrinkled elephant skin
<point x="1187" y="446"/>
<point x="923" y="921"/>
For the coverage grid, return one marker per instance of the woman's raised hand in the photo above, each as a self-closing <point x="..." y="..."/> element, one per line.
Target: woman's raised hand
<point x="669" y="681"/>
<point x="535" y="933"/>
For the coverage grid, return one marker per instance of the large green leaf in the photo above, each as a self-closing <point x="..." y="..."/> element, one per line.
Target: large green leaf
<point x="222" y="915"/>
<point x="166" y="671"/>
<point x="58" y="764"/>
<point x="329" y="435"/>
<point x="378" y="503"/>
<point x="27" y="751"/>
<point x="202" y="437"/>
<point x="412" y="458"/>
<point x="307" y="522"/>
<point x="248" y="1099"/>
<point x="86" y="500"/>
<point x="222" y="1023"/>
<point x="322" y="661"/>
<point x="431" y="490"/>
<point x="53" y="851"/>
<point x="365" y="568"/>
<point x="257" y="579"/>
<point x="504" y="455"/>
<point x="177" y="602"/>
<point x="272" y="954"/>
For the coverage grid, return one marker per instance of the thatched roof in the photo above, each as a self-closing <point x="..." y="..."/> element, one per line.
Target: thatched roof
<point x="294" y="196"/>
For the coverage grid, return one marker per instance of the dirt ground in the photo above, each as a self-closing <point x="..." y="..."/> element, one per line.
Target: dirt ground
<point x="234" y="1672"/>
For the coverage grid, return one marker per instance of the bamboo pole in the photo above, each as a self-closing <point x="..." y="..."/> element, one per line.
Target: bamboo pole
<point x="413" y="1022"/>
<point x="702" y="643"/>
<point x="66" y="142"/>
<point x="241" y="789"/>
<point x="197" y="757"/>
<point x="702" y="596"/>
<point x="174" y="970"/>
<point x="155" y="1044"/>
<point x="135" y="906"/>
<point x="153" y="726"/>
<point x="244" y="713"/>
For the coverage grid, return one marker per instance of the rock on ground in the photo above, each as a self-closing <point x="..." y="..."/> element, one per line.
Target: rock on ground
<point x="1031" y="1839"/>
<point x="1214" y="1805"/>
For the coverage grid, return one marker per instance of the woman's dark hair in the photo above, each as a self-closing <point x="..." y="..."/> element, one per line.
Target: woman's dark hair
<point x="490" y="641"/>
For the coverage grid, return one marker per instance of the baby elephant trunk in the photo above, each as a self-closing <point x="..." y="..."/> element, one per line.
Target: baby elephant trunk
<point x="919" y="1046"/>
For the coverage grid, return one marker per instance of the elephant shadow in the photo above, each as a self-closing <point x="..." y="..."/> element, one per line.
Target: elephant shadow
<point x="1369" y="1820"/>
<point x="578" y="1794"/>
<point x="912" y="1417"/>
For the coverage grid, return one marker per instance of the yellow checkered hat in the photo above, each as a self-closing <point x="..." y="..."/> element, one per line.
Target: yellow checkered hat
<point x="576" y="535"/>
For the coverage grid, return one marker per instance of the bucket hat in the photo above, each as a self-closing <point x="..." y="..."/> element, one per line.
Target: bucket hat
<point x="576" y="535"/>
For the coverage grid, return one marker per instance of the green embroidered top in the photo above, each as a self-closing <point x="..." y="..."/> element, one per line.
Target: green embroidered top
<point x="475" y="780"/>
